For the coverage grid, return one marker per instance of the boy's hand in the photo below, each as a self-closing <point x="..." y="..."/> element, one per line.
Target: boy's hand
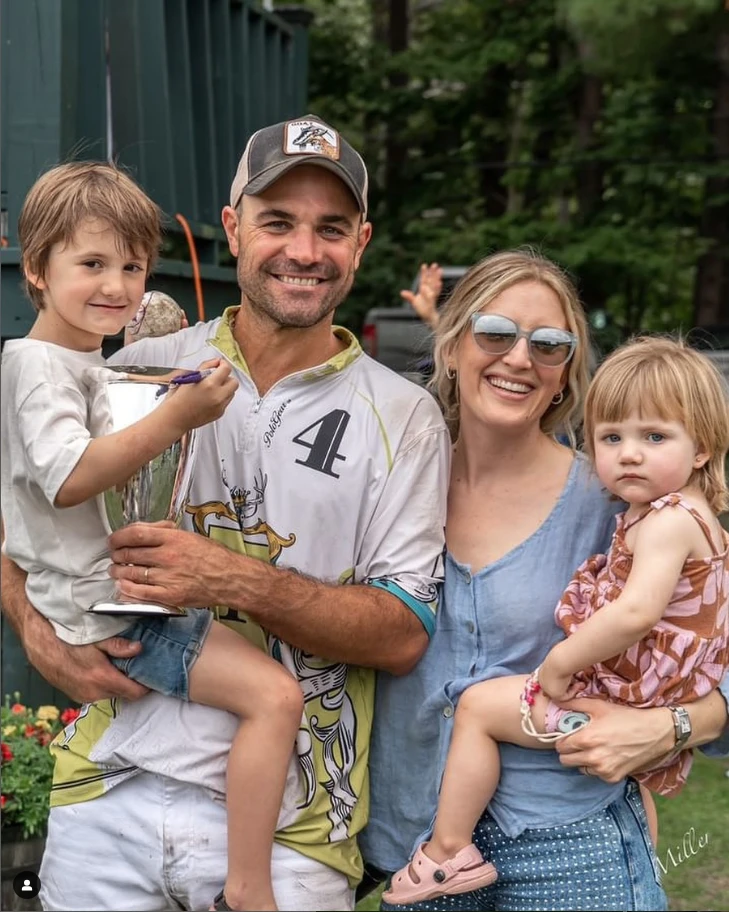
<point x="196" y="404"/>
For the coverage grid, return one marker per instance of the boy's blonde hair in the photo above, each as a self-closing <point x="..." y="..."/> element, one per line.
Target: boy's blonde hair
<point x="475" y="291"/>
<point x="67" y="195"/>
<point x="664" y="376"/>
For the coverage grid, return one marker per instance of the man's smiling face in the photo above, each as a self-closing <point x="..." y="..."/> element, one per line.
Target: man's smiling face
<point x="298" y="244"/>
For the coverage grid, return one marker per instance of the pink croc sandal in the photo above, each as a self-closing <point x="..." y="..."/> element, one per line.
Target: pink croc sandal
<point x="424" y="878"/>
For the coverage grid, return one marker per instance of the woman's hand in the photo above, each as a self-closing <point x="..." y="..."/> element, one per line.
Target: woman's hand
<point x="618" y="740"/>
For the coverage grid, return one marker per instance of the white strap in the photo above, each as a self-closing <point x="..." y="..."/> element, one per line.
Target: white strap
<point x="532" y="687"/>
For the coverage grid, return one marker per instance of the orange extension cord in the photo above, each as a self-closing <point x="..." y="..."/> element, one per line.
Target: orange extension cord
<point x="195" y="266"/>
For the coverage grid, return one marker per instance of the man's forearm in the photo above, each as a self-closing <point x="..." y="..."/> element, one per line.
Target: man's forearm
<point x="359" y="625"/>
<point x="355" y="624"/>
<point x="14" y="603"/>
<point x="23" y="618"/>
<point x="82" y="672"/>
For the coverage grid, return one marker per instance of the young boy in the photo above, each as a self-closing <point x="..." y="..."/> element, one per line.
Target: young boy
<point x="89" y="238"/>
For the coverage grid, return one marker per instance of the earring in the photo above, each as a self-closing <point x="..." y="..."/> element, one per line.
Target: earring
<point x="558" y="398"/>
<point x="450" y="372"/>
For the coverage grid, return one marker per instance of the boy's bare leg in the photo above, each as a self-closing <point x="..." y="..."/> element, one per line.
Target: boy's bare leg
<point x="487" y="714"/>
<point x="232" y="674"/>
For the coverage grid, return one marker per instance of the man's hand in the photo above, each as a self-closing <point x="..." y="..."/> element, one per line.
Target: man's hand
<point x="618" y="740"/>
<point x="156" y="562"/>
<point x="83" y="672"/>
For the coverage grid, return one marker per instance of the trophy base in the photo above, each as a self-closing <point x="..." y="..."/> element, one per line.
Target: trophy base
<point x="137" y="609"/>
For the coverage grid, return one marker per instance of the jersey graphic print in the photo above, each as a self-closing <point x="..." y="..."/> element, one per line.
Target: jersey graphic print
<point x="332" y="727"/>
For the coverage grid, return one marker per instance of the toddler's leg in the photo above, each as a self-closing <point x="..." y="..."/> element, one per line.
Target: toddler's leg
<point x="232" y="674"/>
<point x="487" y="713"/>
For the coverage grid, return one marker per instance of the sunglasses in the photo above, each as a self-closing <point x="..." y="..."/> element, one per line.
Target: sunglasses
<point x="497" y="335"/>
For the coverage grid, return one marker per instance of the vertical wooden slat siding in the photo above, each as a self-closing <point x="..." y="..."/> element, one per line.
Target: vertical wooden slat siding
<point x="191" y="80"/>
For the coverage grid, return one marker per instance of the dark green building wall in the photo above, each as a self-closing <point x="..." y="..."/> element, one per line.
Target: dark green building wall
<point x="171" y="89"/>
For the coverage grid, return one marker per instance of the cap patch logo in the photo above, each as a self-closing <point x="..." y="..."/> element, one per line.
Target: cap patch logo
<point x="307" y="137"/>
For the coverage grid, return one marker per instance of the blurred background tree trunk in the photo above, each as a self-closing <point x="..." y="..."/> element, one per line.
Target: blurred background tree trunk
<point x="396" y="145"/>
<point x="711" y="294"/>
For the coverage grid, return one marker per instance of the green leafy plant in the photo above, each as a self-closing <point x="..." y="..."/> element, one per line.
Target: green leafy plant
<point x="27" y="764"/>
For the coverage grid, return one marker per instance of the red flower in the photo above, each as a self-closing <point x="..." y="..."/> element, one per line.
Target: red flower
<point x="17" y="708"/>
<point x="7" y="754"/>
<point x="70" y="715"/>
<point x="3" y="799"/>
<point x="29" y="731"/>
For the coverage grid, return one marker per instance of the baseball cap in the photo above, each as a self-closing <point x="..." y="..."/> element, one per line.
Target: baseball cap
<point x="273" y="151"/>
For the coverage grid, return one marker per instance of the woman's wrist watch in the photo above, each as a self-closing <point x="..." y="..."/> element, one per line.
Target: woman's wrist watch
<point x="681" y="726"/>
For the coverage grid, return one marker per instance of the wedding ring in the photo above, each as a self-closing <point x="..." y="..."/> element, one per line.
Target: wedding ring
<point x="146" y="574"/>
<point x="585" y="771"/>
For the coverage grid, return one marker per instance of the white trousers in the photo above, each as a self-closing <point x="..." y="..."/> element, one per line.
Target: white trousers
<point x="153" y="844"/>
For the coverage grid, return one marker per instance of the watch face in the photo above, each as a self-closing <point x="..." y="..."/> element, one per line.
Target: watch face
<point x="682" y="723"/>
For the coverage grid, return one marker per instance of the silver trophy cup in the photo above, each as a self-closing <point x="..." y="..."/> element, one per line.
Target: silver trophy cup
<point x="156" y="491"/>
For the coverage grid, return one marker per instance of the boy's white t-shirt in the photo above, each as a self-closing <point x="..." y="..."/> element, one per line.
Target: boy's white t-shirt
<point x="48" y="420"/>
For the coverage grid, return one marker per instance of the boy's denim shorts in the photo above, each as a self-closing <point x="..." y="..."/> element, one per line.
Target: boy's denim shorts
<point x="170" y="646"/>
<point x="605" y="861"/>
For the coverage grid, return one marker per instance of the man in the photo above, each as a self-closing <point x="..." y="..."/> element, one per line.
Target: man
<point x="326" y="465"/>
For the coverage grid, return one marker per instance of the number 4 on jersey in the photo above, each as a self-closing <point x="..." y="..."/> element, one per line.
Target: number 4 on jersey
<point x="324" y="443"/>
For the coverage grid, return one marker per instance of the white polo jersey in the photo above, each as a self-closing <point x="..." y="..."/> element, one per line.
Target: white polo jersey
<point x="339" y="472"/>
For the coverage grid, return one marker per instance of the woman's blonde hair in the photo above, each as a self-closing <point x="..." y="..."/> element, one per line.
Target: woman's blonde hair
<point x="663" y="376"/>
<point x="67" y="195"/>
<point x="474" y="292"/>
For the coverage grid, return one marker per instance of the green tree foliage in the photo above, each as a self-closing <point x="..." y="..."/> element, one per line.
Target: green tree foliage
<point x="584" y="128"/>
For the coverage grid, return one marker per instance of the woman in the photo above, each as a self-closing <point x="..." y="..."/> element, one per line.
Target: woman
<point x="523" y="512"/>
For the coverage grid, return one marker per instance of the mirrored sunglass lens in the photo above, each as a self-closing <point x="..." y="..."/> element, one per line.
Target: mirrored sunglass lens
<point x="494" y="334"/>
<point x="551" y="346"/>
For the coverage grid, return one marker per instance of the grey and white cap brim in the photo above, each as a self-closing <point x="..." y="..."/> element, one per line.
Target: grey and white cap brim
<point x="270" y="175"/>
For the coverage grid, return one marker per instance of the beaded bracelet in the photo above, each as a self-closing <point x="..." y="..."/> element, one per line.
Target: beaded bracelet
<point x="531" y="688"/>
